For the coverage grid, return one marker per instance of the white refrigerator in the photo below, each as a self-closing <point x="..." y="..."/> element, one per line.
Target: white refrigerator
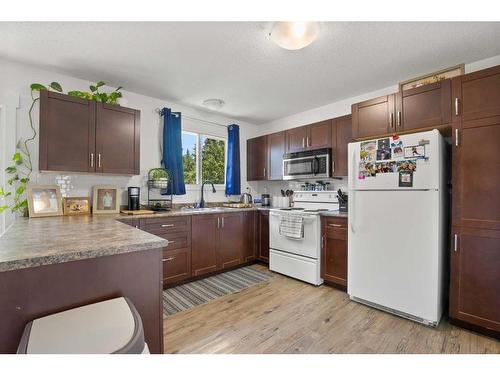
<point x="397" y="225"/>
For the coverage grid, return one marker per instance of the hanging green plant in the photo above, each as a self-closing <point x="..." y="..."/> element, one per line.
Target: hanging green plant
<point x="95" y="94"/>
<point x="20" y="171"/>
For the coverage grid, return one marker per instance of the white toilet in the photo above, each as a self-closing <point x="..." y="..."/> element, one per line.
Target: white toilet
<point x="112" y="326"/>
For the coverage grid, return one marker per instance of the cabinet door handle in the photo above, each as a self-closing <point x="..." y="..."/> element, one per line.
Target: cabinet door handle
<point x="166" y="225"/>
<point x="399" y="118"/>
<point x="455" y="245"/>
<point x="91" y="160"/>
<point x="99" y="160"/>
<point x="335" y="225"/>
<point x="307" y="142"/>
<point x="169" y="242"/>
<point x="303" y="142"/>
<point x="264" y="172"/>
<point x="333" y="166"/>
<point x="456" y="137"/>
<point x="323" y="241"/>
<point x="391" y="120"/>
<point x="456" y="106"/>
<point x="218" y="223"/>
<point x="222" y="222"/>
<point x="168" y="259"/>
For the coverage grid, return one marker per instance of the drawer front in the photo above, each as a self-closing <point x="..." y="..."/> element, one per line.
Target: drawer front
<point x="176" y="240"/>
<point x="167" y="225"/>
<point x="336" y="222"/>
<point x="336" y="234"/>
<point x="176" y="265"/>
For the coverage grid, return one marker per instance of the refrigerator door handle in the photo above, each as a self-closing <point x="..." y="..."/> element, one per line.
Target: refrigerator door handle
<point x="351" y="203"/>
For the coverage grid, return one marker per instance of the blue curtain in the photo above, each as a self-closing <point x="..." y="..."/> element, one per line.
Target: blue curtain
<point x="172" y="151"/>
<point x="233" y="184"/>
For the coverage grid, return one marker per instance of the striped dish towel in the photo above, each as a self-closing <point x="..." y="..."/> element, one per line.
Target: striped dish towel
<point x="291" y="226"/>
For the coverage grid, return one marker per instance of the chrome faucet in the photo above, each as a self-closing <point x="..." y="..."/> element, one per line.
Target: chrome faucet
<point x="202" y="202"/>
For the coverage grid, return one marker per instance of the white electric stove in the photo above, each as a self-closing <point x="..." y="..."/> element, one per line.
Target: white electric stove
<point x="300" y="257"/>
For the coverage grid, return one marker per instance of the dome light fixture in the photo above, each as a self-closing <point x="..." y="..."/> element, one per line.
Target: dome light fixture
<point x="213" y="104"/>
<point x="294" y="35"/>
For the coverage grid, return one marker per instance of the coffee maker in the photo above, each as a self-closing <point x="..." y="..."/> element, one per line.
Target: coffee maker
<point x="134" y="197"/>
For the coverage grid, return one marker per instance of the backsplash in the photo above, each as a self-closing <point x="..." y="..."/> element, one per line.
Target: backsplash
<point x="81" y="185"/>
<point x="273" y="188"/>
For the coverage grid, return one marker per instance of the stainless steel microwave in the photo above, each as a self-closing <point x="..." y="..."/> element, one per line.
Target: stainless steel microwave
<point x="307" y="164"/>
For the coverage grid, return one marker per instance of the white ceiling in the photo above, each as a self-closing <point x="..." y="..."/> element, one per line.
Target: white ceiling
<point x="237" y="62"/>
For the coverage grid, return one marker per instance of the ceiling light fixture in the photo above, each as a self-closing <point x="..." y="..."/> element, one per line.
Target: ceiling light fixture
<point x="294" y="35"/>
<point x="214" y="104"/>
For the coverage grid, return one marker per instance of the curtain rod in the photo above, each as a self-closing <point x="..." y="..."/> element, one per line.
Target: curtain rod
<point x="157" y="110"/>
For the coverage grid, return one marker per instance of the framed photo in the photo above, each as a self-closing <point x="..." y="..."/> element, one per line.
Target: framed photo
<point x="106" y="199"/>
<point x="44" y="200"/>
<point x="405" y="179"/>
<point x="76" y="205"/>
<point x="440" y="75"/>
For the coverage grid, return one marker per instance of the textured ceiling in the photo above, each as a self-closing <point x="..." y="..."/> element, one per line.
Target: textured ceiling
<point x="237" y="62"/>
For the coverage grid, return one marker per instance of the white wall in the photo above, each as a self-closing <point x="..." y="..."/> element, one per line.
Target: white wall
<point x="16" y="80"/>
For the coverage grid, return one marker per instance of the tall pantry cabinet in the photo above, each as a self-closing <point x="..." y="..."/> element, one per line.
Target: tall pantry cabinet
<point x="475" y="237"/>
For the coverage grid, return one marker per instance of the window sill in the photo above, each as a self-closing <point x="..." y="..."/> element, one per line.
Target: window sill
<point x="198" y="187"/>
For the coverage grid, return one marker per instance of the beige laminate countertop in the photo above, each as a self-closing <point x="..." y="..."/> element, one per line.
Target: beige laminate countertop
<point x="42" y="241"/>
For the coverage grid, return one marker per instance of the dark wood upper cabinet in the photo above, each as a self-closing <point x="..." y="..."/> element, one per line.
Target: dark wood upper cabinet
<point x="426" y="106"/>
<point x="296" y="139"/>
<point x="78" y="135"/>
<point x="476" y="141"/>
<point x="319" y="135"/>
<point x="204" y="244"/>
<point x="314" y="136"/>
<point x="230" y="242"/>
<point x="373" y="117"/>
<point x="257" y="158"/>
<point x="334" y="251"/>
<point x="475" y="277"/>
<point x="67" y="133"/>
<point x="276" y="149"/>
<point x="117" y="139"/>
<point x="341" y="136"/>
<point x="477" y="95"/>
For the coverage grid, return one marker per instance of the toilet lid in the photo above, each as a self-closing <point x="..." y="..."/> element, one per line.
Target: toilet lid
<point x="99" y="328"/>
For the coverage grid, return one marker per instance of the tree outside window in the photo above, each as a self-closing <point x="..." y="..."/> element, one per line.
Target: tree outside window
<point x="204" y="158"/>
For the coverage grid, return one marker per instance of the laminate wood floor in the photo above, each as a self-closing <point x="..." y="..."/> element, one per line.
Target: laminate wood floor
<point x="284" y="315"/>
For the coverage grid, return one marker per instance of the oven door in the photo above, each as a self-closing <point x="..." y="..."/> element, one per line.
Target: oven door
<point x="308" y="246"/>
<point x="306" y="167"/>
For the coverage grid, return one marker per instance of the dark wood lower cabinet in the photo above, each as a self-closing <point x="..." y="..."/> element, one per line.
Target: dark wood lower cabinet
<point x="230" y="241"/>
<point x="249" y="227"/>
<point x="204" y="244"/>
<point x="176" y="265"/>
<point x="475" y="278"/>
<point x="334" y="251"/>
<point x="262" y="237"/>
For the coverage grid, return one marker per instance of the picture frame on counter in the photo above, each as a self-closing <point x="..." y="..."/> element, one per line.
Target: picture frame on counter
<point x="106" y="199"/>
<point x="44" y="200"/>
<point x="76" y="206"/>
